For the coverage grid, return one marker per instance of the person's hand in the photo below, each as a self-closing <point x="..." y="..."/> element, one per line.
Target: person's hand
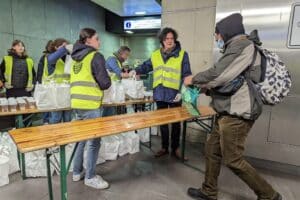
<point x="63" y="45"/>
<point x="188" y="80"/>
<point x="1" y="84"/>
<point x="137" y="77"/>
<point x="69" y="48"/>
<point x="132" y="73"/>
<point x="177" y="98"/>
<point x="125" y="75"/>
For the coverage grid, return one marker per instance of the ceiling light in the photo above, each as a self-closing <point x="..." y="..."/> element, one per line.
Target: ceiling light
<point x="140" y="13"/>
<point x="129" y="32"/>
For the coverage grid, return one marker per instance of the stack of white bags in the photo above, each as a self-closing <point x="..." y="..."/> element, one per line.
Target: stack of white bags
<point x="52" y="96"/>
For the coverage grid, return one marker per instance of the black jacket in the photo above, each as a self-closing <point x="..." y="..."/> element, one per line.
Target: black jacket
<point x="19" y="73"/>
<point x="98" y="64"/>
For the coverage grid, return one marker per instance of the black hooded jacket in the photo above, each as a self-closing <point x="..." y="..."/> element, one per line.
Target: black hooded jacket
<point x="230" y="26"/>
<point x="98" y="64"/>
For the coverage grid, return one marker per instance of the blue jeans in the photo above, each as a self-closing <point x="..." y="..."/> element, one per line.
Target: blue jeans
<point x="59" y="116"/>
<point x="46" y="117"/>
<point x="93" y="147"/>
<point x="109" y="111"/>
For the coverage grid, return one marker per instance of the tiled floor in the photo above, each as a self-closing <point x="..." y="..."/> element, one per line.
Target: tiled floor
<point x="142" y="177"/>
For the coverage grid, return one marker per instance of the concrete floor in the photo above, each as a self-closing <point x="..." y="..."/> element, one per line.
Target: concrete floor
<point x="142" y="177"/>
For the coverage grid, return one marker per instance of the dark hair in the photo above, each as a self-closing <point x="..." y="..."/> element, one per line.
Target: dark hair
<point x="56" y="43"/>
<point x="123" y="48"/>
<point x="48" y="47"/>
<point x="14" y="43"/>
<point x="86" y="33"/>
<point x="163" y="34"/>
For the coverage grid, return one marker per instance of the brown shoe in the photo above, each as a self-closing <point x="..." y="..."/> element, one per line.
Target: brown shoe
<point x="161" y="153"/>
<point x="176" y="154"/>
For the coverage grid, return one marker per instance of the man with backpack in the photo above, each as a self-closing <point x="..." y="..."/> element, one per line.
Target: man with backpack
<point x="234" y="97"/>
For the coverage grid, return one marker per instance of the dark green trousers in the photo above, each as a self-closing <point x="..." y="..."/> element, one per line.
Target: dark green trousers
<point x="227" y="142"/>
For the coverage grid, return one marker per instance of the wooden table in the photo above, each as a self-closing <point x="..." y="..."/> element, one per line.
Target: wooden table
<point x="29" y="111"/>
<point x="59" y="135"/>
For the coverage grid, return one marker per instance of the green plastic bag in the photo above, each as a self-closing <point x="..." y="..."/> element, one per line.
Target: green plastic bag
<point x="190" y="96"/>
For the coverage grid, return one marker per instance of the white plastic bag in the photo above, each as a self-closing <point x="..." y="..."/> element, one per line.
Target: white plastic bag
<point x="9" y="149"/>
<point x="133" y="88"/>
<point x="63" y="96"/>
<point x="52" y="96"/>
<point x="45" y="96"/>
<point x="154" y="130"/>
<point x="124" y="147"/>
<point x="109" y="148"/>
<point x="144" y="135"/>
<point x="4" y="170"/>
<point x="68" y="64"/>
<point x="134" y="142"/>
<point x="36" y="164"/>
<point x="118" y="93"/>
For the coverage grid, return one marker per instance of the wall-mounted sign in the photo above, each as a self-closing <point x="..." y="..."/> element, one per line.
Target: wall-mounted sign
<point x="138" y="24"/>
<point x="294" y="29"/>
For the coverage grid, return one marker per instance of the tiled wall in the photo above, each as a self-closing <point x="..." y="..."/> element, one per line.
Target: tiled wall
<point x="37" y="21"/>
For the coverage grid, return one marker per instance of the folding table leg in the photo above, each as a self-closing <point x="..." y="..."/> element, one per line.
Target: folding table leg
<point x="49" y="175"/>
<point x="183" y="141"/>
<point x="63" y="173"/>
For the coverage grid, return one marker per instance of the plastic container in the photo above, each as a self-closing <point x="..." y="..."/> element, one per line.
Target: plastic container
<point x="4" y="170"/>
<point x="21" y="103"/>
<point x="12" y="104"/>
<point x="3" y="105"/>
<point x="31" y="102"/>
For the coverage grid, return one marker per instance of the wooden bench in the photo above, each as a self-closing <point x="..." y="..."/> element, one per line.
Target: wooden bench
<point x="59" y="135"/>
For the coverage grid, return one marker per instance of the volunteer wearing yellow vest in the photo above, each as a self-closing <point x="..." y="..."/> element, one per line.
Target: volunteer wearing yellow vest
<point x="114" y="63"/>
<point x="170" y="66"/>
<point x="114" y="67"/>
<point x="17" y="71"/>
<point x="40" y="72"/>
<point x="54" y="64"/>
<point x="88" y="80"/>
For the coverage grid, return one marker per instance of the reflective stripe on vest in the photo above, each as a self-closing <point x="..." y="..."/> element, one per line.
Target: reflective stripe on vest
<point x="167" y="74"/>
<point x="58" y="75"/>
<point x="114" y="76"/>
<point x="8" y="71"/>
<point x="85" y="92"/>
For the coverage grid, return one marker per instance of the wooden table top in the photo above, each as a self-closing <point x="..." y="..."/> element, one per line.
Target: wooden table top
<point x="35" y="110"/>
<point x="46" y="136"/>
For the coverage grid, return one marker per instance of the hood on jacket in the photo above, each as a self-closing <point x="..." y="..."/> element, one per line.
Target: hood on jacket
<point x="80" y="51"/>
<point x="253" y="36"/>
<point x="230" y="26"/>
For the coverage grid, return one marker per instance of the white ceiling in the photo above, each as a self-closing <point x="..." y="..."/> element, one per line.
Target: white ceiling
<point x="126" y="8"/>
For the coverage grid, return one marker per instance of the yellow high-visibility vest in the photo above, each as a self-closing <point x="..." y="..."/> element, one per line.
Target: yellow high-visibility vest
<point x="114" y="76"/>
<point x="9" y="68"/>
<point x="58" y="75"/>
<point x="167" y="74"/>
<point x="85" y="92"/>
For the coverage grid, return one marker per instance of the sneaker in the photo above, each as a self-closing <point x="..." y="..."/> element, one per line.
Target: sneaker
<point x="78" y="177"/>
<point x="198" y="194"/>
<point x="96" y="182"/>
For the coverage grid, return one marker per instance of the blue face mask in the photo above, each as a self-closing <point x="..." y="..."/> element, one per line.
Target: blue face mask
<point x="220" y="44"/>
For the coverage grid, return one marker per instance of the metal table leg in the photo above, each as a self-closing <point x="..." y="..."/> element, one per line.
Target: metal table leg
<point x="63" y="173"/>
<point x="183" y="141"/>
<point x="49" y="175"/>
<point x="21" y="156"/>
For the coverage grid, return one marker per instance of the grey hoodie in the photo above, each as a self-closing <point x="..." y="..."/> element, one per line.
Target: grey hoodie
<point x="238" y="55"/>
<point x="98" y="64"/>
